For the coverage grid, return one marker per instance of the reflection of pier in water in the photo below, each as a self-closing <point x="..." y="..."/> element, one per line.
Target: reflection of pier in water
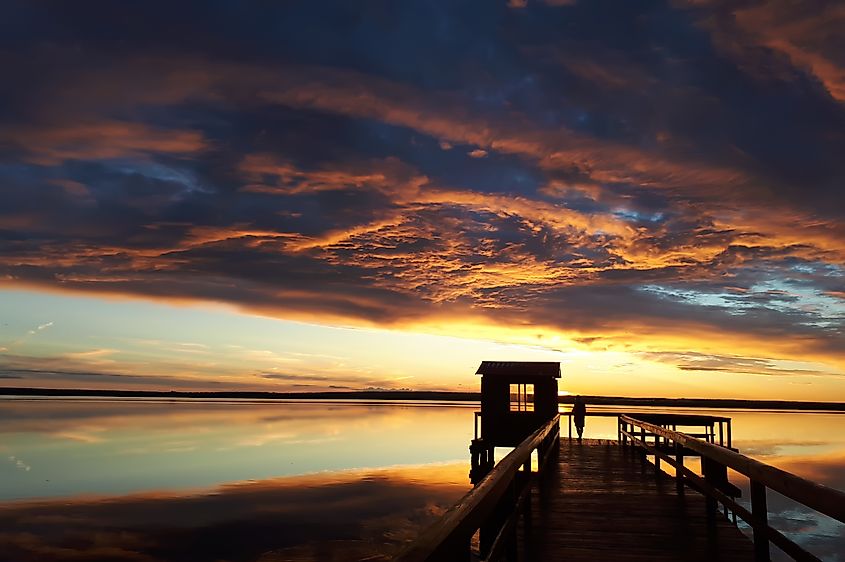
<point x="554" y="498"/>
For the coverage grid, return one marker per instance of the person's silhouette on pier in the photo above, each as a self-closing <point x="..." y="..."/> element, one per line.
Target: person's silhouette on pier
<point x="579" y="412"/>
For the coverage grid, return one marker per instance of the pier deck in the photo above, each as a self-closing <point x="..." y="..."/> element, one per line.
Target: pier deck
<point x="601" y="502"/>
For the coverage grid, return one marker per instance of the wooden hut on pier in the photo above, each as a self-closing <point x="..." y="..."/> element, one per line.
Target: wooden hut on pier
<point x="517" y="399"/>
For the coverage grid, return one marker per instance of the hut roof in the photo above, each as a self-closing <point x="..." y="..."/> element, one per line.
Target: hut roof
<point x="520" y="368"/>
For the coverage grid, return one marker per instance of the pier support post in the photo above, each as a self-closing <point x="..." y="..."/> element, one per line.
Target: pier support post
<point x="760" y="513"/>
<point x="730" y="443"/>
<point x="481" y="460"/>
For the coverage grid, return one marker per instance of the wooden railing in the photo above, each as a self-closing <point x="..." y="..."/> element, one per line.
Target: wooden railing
<point x="709" y="426"/>
<point x="493" y="507"/>
<point x="713" y="483"/>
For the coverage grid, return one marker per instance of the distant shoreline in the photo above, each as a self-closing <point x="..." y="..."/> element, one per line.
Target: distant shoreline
<point x="427" y="396"/>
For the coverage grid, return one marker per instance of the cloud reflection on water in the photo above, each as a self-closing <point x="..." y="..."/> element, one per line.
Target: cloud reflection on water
<point x="820" y="535"/>
<point x="202" y="480"/>
<point x="120" y="447"/>
<point x="334" y="516"/>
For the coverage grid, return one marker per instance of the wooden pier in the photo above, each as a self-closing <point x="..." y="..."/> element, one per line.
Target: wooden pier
<point x="613" y="500"/>
<point x="601" y="502"/>
<point x="628" y="500"/>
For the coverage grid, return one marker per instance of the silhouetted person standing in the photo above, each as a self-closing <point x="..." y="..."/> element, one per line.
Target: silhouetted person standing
<point x="579" y="412"/>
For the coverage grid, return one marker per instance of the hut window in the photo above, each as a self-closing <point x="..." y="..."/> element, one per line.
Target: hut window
<point x="522" y="397"/>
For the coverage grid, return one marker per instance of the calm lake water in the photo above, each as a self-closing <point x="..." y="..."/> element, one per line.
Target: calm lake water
<point x="146" y="480"/>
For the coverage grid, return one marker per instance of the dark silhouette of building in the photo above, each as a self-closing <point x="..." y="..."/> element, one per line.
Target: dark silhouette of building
<point x="517" y="398"/>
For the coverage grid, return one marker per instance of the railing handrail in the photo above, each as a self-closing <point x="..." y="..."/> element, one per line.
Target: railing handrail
<point x="470" y="511"/>
<point x="823" y="499"/>
<point x="626" y="412"/>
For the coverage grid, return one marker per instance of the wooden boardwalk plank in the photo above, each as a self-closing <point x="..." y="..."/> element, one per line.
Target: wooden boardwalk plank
<point x="602" y="502"/>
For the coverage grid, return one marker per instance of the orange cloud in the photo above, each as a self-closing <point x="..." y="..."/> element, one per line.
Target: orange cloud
<point x="442" y="116"/>
<point x="100" y="140"/>
<point x="389" y="175"/>
<point x="806" y="36"/>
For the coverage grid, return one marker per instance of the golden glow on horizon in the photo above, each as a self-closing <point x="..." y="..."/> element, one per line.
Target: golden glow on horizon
<point x="421" y="357"/>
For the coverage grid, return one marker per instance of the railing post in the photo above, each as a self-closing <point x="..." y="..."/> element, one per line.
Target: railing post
<point x="642" y="439"/>
<point x="708" y="470"/>
<point x="656" y="456"/>
<point x="760" y="513"/>
<point x="729" y="433"/>
<point x="526" y="506"/>
<point x="679" y="468"/>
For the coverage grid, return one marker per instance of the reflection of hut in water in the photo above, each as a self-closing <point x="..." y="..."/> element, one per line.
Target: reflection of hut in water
<point x="517" y="398"/>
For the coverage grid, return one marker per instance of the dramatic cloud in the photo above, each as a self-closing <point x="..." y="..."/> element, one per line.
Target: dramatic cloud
<point x="808" y="35"/>
<point x="99" y="141"/>
<point x="665" y="180"/>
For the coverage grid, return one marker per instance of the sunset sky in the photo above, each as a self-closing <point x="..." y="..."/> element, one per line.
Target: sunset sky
<point x="342" y="195"/>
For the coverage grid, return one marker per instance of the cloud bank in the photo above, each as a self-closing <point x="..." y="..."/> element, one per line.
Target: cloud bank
<point x="666" y="179"/>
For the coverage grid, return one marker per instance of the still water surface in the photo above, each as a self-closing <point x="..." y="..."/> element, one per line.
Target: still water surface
<point x="153" y="480"/>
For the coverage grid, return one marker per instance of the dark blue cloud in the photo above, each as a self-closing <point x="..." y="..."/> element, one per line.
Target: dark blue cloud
<point x="386" y="162"/>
